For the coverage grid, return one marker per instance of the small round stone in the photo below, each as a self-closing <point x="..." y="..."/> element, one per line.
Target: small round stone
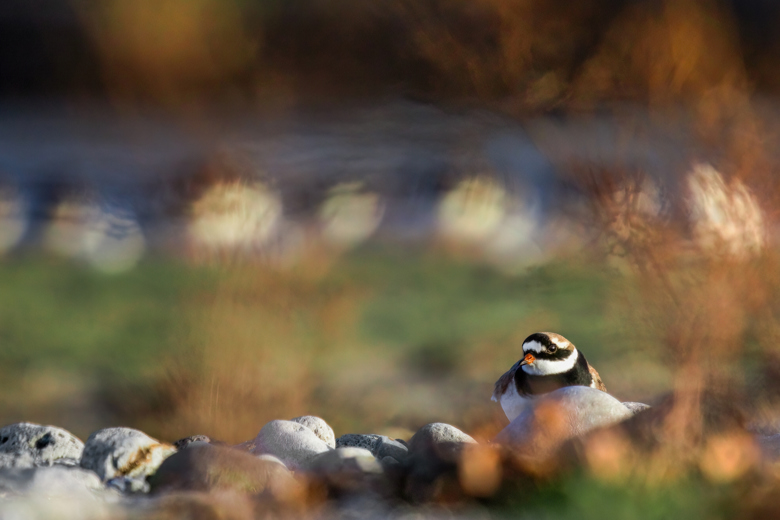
<point x="28" y="444"/>
<point x="293" y="443"/>
<point x="443" y="439"/>
<point x="215" y="468"/>
<point x="379" y="445"/>
<point x="346" y="459"/>
<point x="123" y="452"/>
<point x="319" y="427"/>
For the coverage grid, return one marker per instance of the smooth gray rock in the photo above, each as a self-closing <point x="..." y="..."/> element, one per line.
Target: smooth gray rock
<point x="123" y="452"/>
<point x="294" y="444"/>
<point x="319" y="427"/>
<point x="561" y="415"/>
<point x="28" y="444"/>
<point x="215" y="468"/>
<point x="348" y="471"/>
<point x="380" y="446"/>
<point x="340" y="460"/>
<point x="440" y="439"/>
<point x="51" y="481"/>
<point x="434" y="455"/>
<point x="636" y="407"/>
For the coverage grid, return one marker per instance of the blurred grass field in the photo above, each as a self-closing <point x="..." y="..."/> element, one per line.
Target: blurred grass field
<point x="379" y="339"/>
<point x="385" y="339"/>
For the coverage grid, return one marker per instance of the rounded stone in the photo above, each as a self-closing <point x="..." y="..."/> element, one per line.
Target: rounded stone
<point x="379" y="445"/>
<point x="28" y="444"/>
<point x="441" y="439"/>
<point x="340" y="460"/>
<point x="319" y="427"/>
<point x="434" y="454"/>
<point x="352" y="471"/>
<point x="294" y="444"/>
<point x="214" y="468"/>
<point x="123" y="452"/>
<point x="561" y="415"/>
<point x="636" y="408"/>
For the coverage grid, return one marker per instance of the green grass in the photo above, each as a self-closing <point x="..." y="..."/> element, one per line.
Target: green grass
<point x="430" y="302"/>
<point x="60" y="315"/>
<point x="582" y="497"/>
<point x="353" y="337"/>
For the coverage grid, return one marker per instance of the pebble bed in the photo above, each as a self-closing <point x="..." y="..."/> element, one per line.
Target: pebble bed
<point x="293" y="468"/>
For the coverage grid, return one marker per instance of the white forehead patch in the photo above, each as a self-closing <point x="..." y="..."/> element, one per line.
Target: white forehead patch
<point x="533" y="346"/>
<point x="546" y="367"/>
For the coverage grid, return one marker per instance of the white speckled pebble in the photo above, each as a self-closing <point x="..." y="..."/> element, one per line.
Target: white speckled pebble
<point x="319" y="427"/>
<point x="27" y="444"/>
<point x="293" y="443"/>
<point x="123" y="452"/>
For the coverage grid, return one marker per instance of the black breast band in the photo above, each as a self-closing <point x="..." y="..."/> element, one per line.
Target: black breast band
<point x="578" y="375"/>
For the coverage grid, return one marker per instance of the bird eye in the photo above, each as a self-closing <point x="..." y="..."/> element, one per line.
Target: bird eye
<point x="551" y="349"/>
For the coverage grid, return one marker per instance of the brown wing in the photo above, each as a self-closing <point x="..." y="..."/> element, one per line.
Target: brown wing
<point x="598" y="384"/>
<point x="504" y="381"/>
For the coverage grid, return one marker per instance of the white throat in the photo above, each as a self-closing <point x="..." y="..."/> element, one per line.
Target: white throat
<point x="546" y="367"/>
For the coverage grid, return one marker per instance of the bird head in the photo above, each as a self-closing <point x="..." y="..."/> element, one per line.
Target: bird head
<point x="546" y="353"/>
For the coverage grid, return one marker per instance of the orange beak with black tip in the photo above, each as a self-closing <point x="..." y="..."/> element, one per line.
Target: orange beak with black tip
<point x="528" y="359"/>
